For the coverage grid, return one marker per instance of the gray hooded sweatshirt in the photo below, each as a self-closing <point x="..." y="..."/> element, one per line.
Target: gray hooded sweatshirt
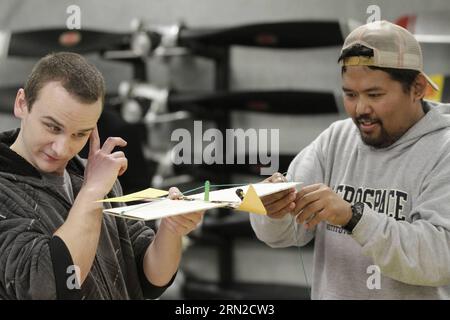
<point x="405" y="229"/>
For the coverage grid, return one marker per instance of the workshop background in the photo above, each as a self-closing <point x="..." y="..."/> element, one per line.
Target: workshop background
<point x="223" y="259"/>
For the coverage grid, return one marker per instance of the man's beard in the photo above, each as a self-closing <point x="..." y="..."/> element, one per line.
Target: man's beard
<point x="382" y="140"/>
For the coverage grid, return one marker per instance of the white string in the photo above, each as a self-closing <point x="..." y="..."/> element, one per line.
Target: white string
<point x="297" y="241"/>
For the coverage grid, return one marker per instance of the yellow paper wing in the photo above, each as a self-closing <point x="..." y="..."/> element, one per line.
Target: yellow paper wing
<point x="149" y="193"/>
<point x="252" y="203"/>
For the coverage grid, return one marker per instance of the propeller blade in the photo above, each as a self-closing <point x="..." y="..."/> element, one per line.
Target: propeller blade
<point x="302" y="34"/>
<point x="279" y="102"/>
<point x="37" y="43"/>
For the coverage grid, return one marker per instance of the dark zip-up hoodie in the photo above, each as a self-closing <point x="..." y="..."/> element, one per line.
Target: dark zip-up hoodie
<point x="34" y="264"/>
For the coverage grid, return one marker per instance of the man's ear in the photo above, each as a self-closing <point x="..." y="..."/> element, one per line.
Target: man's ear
<point x="20" y="104"/>
<point x="419" y="88"/>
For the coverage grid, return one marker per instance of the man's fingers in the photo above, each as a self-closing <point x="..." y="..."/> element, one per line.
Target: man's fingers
<point x="195" y="217"/>
<point x="280" y="214"/>
<point x="273" y="198"/>
<point x="319" y="216"/>
<point x="174" y="193"/>
<point x="276" y="177"/>
<point x="173" y="226"/>
<point x="118" y="154"/>
<point x="303" y="200"/>
<point x="123" y="165"/>
<point x="184" y="222"/>
<point x="280" y="204"/>
<point x="94" y="141"/>
<point x="308" y="189"/>
<point x="309" y="211"/>
<point x="111" y="143"/>
<point x="267" y="200"/>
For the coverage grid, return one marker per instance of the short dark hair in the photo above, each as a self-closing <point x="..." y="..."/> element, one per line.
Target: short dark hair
<point x="80" y="78"/>
<point x="406" y="77"/>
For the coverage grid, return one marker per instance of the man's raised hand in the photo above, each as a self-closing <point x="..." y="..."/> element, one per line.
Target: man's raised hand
<point x="103" y="165"/>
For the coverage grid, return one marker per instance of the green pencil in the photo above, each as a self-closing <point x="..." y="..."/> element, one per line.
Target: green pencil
<point x="206" y="190"/>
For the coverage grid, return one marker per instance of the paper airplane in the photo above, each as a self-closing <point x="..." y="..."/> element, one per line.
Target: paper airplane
<point x="149" y="193"/>
<point x="163" y="207"/>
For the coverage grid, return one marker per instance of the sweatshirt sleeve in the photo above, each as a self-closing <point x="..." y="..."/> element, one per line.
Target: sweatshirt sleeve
<point x="308" y="167"/>
<point x="415" y="252"/>
<point x="141" y="237"/>
<point x="26" y="258"/>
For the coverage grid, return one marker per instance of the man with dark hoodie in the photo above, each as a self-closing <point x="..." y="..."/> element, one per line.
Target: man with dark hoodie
<point x="376" y="194"/>
<point x="55" y="241"/>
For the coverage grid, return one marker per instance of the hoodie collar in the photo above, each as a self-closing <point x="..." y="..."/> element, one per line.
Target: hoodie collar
<point x="437" y="118"/>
